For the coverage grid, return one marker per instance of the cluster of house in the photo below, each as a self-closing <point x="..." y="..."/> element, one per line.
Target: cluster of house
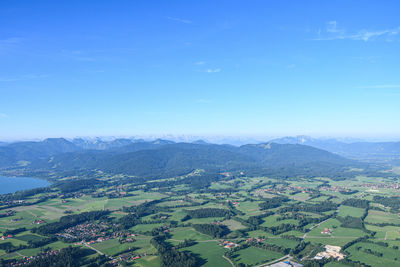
<point x="85" y="231"/>
<point x="9" y="213"/>
<point x="395" y="186"/>
<point x="94" y="233"/>
<point x="128" y="238"/>
<point x="330" y="252"/>
<point x="71" y="195"/>
<point x="335" y="189"/>
<point x="228" y="244"/>
<point x="4" y="237"/>
<point x="12" y="202"/>
<point x="300" y="188"/>
<point x="235" y="203"/>
<point x="131" y="257"/>
<point x="165" y="229"/>
<point x="221" y="195"/>
<point x="27" y="260"/>
<point x="38" y="221"/>
<point x="327" y="231"/>
<point x="262" y="191"/>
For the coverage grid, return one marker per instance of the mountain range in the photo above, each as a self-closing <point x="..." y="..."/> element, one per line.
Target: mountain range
<point x="364" y="151"/>
<point x="165" y="158"/>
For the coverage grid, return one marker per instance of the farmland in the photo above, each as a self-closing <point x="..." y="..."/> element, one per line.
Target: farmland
<point x="261" y="221"/>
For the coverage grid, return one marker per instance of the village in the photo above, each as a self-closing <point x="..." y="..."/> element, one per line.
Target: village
<point x="94" y="233"/>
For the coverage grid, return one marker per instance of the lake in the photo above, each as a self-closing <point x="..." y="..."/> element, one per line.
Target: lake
<point x="13" y="184"/>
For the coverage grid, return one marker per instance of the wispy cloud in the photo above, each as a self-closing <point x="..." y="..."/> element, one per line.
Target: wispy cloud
<point x="179" y="20"/>
<point x="291" y="66"/>
<point x="3" y="115"/>
<point x="77" y="55"/>
<point x="334" y="32"/>
<point x="12" y="40"/>
<point x="200" y="63"/>
<point x="213" y="70"/>
<point x="9" y="43"/>
<point x="379" y="86"/>
<point x="332" y="27"/>
<point x="22" y="77"/>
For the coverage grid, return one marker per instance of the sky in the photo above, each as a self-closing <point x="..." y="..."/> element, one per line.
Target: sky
<point x="238" y="68"/>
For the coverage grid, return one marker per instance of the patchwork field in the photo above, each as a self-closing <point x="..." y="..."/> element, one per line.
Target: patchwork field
<point x="283" y="217"/>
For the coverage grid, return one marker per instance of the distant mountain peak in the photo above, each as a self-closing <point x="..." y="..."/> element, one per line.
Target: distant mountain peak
<point x="162" y="142"/>
<point x="200" y="142"/>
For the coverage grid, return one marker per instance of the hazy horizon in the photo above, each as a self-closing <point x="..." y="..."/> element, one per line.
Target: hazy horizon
<point x="217" y="139"/>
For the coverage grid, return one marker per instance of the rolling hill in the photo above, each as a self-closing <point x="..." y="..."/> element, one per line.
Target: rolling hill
<point x="365" y="151"/>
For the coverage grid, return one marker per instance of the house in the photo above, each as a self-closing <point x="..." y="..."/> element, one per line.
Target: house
<point x="327" y="231"/>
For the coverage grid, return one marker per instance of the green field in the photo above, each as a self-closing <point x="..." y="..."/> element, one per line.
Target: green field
<point x="254" y="256"/>
<point x="211" y="253"/>
<point x="188" y="233"/>
<point x="376" y="216"/>
<point x="350" y="211"/>
<point x="242" y="200"/>
<point x="390" y="257"/>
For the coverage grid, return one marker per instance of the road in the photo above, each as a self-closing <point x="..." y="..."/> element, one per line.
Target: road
<point x="223" y="256"/>
<point x="89" y="246"/>
<point x="312" y="227"/>
<point x="286" y="257"/>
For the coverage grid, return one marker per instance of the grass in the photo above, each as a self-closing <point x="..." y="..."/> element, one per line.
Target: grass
<point x="211" y="252"/>
<point x="254" y="256"/>
<point x="340" y="235"/>
<point x="282" y="242"/>
<point x="233" y="225"/>
<point x="377" y="216"/>
<point x="272" y="221"/>
<point x="390" y="256"/>
<point x="145" y="227"/>
<point x="386" y="232"/>
<point x="301" y="197"/>
<point x="249" y="208"/>
<point x="350" y="211"/>
<point x="33" y="251"/>
<point x="148" y="261"/>
<point x="335" y="264"/>
<point x="188" y="233"/>
<point x="113" y="247"/>
<point x="205" y="220"/>
<point x="28" y="237"/>
<point x="259" y="233"/>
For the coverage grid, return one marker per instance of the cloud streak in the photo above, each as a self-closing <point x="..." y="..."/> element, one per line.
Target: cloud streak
<point x="3" y="115"/>
<point x="185" y="21"/>
<point x="333" y="32"/>
<point x="12" y="40"/>
<point x="213" y="70"/>
<point x="22" y="77"/>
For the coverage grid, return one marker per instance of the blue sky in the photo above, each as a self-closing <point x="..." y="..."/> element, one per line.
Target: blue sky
<point x="246" y="68"/>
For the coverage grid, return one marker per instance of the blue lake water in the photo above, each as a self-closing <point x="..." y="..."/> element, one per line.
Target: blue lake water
<point x="13" y="184"/>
